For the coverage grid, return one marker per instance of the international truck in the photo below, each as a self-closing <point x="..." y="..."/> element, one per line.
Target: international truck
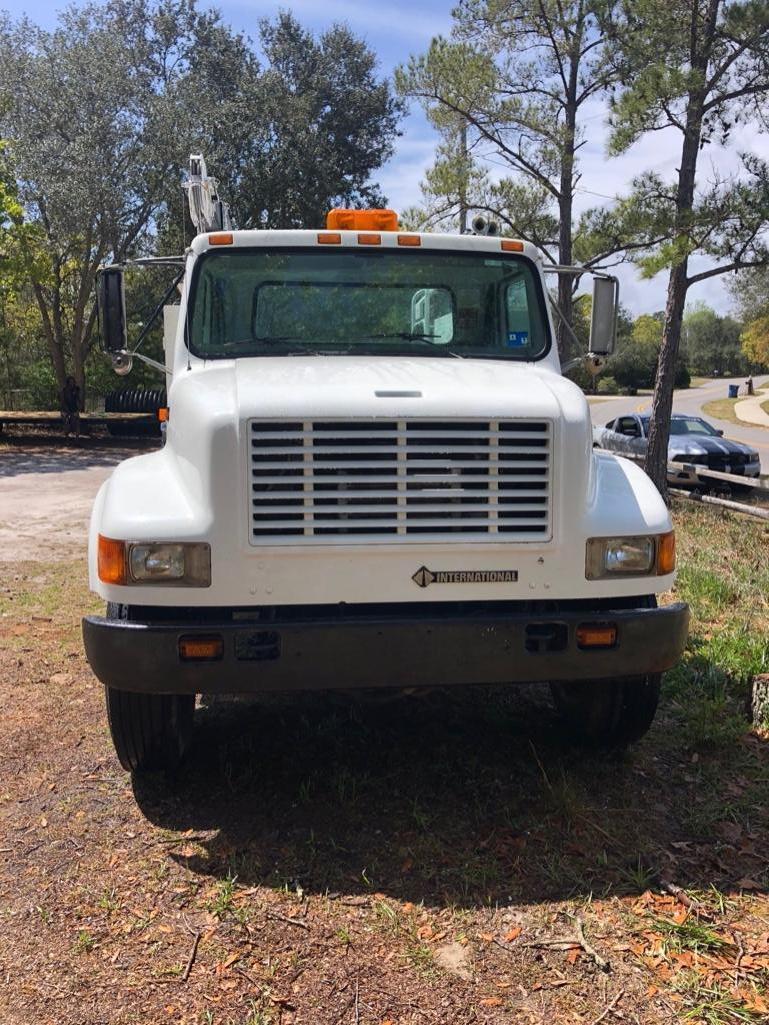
<point x="374" y="476"/>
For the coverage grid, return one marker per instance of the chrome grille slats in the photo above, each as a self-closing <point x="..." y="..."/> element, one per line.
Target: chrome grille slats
<point x="364" y="481"/>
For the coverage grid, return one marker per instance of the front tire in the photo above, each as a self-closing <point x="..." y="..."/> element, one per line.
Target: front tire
<point x="150" y="732"/>
<point x="608" y="713"/>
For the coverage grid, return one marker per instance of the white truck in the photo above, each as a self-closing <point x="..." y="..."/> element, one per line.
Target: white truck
<point x="374" y="476"/>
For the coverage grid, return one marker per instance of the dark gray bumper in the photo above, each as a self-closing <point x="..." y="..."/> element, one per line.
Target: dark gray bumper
<point x="419" y="651"/>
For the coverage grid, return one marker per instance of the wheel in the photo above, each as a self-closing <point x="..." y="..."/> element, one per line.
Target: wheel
<point x="608" y="713"/>
<point x="149" y="731"/>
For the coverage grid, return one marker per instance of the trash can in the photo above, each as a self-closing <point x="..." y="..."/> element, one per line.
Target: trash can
<point x="734" y="391"/>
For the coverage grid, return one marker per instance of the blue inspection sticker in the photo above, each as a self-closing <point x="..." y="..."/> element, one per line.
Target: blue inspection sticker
<point x="515" y="339"/>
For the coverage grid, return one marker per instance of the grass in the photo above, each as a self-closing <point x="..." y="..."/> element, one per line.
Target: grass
<point x="689" y="935"/>
<point x="723" y="409"/>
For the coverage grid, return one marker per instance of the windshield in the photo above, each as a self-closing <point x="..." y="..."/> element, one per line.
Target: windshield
<point x="261" y="302"/>
<point x="686" y="425"/>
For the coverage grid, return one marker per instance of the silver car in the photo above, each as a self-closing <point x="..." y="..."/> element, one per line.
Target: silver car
<point x="692" y="440"/>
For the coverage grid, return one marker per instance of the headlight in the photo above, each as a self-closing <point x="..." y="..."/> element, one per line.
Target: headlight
<point x="172" y="564"/>
<point x="646" y="555"/>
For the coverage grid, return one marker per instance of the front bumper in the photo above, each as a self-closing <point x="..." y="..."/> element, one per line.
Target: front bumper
<point x="384" y="647"/>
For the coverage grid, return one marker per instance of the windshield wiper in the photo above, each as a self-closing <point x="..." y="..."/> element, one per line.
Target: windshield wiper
<point x="407" y="336"/>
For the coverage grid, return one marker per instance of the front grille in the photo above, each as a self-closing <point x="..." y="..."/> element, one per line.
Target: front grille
<point x="347" y="481"/>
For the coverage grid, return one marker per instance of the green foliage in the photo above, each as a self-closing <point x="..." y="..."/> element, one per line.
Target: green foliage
<point x="511" y="80"/>
<point x="711" y="343"/>
<point x="751" y="294"/>
<point x="101" y="114"/>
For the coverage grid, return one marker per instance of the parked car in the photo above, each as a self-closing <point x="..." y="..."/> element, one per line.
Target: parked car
<point x="692" y="440"/>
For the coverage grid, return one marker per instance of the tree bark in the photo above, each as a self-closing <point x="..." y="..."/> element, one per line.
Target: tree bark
<point x="678" y="285"/>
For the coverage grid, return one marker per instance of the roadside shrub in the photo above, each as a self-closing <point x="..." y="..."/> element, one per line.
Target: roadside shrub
<point x="607" y="386"/>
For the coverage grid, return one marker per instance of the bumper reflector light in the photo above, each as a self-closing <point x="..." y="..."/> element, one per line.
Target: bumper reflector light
<point x="201" y="649"/>
<point x="112" y="563"/>
<point x="601" y="635"/>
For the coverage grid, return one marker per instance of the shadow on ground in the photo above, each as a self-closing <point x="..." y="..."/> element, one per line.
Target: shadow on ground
<point x="52" y="454"/>
<point x="466" y="798"/>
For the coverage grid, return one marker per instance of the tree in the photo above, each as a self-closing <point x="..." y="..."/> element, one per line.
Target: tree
<point x="751" y="294"/>
<point x="329" y="124"/>
<point x="696" y="68"/>
<point x="92" y="114"/>
<point x="102" y="113"/>
<point x="712" y="342"/>
<point x="515" y="78"/>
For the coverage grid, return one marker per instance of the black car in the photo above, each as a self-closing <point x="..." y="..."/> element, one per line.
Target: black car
<point x="692" y="440"/>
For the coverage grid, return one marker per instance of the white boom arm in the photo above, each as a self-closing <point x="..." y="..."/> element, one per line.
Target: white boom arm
<point x="207" y="210"/>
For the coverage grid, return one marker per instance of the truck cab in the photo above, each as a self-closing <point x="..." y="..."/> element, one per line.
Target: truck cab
<point x="374" y="476"/>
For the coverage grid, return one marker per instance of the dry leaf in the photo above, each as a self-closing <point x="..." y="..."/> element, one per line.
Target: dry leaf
<point x="573" y="955"/>
<point x="492" y="1002"/>
<point x="425" y="932"/>
<point x="513" y="934"/>
<point x="486" y="937"/>
<point x="746" y="883"/>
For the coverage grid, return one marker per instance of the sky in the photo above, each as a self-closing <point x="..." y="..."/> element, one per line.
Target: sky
<point x="396" y="29"/>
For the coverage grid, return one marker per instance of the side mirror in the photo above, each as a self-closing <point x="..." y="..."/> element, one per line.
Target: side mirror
<point x="720" y="434"/>
<point x="603" y="325"/>
<point x="110" y="301"/>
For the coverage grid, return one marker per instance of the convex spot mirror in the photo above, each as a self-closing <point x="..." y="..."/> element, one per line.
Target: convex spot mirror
<point x="110" y="301"/>
<point x="603" y="324"/>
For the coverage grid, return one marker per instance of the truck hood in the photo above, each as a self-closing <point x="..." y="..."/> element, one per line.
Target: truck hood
<point x="341" y="386"/>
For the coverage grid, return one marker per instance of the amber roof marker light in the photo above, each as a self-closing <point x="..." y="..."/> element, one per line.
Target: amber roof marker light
<point x="340" y="219"/>
<point x="511" y="245"/>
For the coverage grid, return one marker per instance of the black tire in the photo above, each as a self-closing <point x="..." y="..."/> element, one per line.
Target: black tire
<point x="609" y="714"/>
<point x="150" y="732"/>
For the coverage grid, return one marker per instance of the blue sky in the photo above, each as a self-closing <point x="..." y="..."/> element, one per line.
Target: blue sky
<point x="397" y="28"/>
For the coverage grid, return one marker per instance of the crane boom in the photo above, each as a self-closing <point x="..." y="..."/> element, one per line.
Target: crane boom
<point x="207" y="211"/>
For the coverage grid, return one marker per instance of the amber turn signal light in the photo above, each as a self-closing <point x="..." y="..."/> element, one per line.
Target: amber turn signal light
<point x="602" y="635"/>
<point x="220" y="238"/>
<point x="201" y="649"/>
<point x="111" y="557"/>
<point x="511" y="245"/>
<point x="666" y="553"/>
<point x="163" y="414"/>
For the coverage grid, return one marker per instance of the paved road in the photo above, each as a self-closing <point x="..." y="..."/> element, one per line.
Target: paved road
<point x="691" y="400"/>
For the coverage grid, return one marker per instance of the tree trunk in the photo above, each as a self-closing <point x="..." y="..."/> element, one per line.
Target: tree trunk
<point x="566" y="199"/>
<point x="678" y="285"/>
<point x="662" y="404"/>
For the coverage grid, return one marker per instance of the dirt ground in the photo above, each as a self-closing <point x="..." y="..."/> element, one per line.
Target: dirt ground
<point x="47" y="489"/>
<point x="446" y="859"/>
